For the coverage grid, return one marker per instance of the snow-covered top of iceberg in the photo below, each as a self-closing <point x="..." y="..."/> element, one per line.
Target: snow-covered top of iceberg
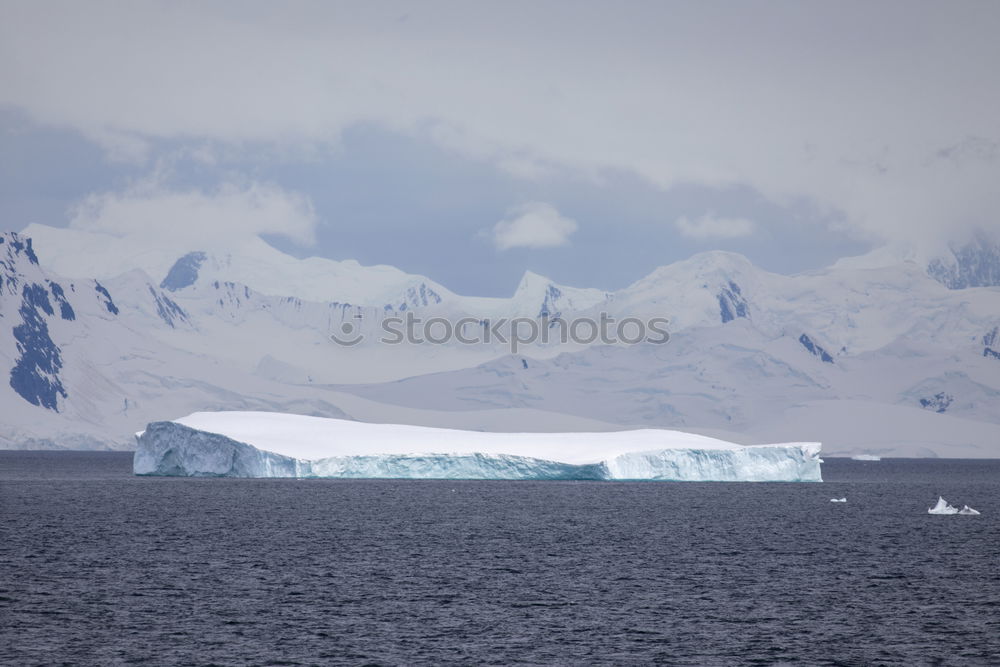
<point x="303" y="437"/>
<point x="263" y="444"/>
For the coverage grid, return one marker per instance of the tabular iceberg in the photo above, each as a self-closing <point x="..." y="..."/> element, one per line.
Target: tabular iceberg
<point x="264" y="444"/>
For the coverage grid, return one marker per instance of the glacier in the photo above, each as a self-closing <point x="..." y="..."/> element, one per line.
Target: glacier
<point x="265" y="444"/>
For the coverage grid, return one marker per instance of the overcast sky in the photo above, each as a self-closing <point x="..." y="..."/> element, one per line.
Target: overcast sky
<point x="468" y="141"/>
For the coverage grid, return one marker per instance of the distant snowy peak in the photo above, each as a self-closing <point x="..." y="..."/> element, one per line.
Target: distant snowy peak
<point x="255" y="264"/>
<point x="250" y="262"/>
<point x="184" y="272"/>
<point x="708" y="270"/>
<point x="348" y="283"/>
<point x="21" y="272"/>
<point x="16" y="254"/>
<point x="269" y="271"/>
<point x="401" y="292"/>
<point x="974" y="264"/>
<point x="82" y="254"/>
<point x="882" y="257"/>
<point x="537" y="296"/>
<point x="40" y="309"/>
<point x="707" y="289"/>
<point x="16" y="247"/>
<point x="858" y="305"/>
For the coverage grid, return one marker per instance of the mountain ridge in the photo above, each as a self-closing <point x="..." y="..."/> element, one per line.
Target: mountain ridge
<point x="747" y="346"/>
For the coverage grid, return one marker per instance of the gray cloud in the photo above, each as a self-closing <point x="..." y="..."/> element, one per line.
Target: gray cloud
<point x="710" y="226"/>
<point x="533" y="225"/>
<point x="188" y="218"/>
<point x="851" y="106"/>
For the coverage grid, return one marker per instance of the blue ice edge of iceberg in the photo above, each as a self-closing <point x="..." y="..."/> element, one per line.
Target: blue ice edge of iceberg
<point x="172" y="449"/>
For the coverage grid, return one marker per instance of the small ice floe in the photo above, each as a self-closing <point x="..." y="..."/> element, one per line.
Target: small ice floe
<point x="943" y="507"/>
<point x="968" y="511"/>
<point x="838" y="500"/>
<point x="866" y="457"/>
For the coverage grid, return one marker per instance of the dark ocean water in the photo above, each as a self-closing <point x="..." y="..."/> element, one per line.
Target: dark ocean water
<point x="100" y="568"/>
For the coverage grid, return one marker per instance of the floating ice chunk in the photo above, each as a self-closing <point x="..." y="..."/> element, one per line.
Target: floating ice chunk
<point x="866" y="457"/>
<point x="838" y="500"/>
<point x="260" y="444"/>
<point x="968" y="511"/>
<point x="943" y="507"/>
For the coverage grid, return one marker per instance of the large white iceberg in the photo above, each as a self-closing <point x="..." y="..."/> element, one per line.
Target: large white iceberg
<point x="265" y="444"/>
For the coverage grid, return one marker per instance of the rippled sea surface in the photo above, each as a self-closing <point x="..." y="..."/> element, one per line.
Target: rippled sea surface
<point x="98" y="567"/>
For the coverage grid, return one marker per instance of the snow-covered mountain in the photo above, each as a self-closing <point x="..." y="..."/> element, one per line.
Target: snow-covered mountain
<point x="250" y="262"/>
<point x="90" y="362"/>
<point x="869" y="355"/>
<point x="974" y="264"/>
<point x="255" y="264"/>
<point x="86" y="369"/>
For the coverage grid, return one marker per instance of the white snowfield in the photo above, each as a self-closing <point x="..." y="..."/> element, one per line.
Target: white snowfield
<point x="267" y="444"/>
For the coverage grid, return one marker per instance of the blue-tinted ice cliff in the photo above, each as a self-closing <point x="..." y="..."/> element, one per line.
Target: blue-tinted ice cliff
<point x="256" y="444"/>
